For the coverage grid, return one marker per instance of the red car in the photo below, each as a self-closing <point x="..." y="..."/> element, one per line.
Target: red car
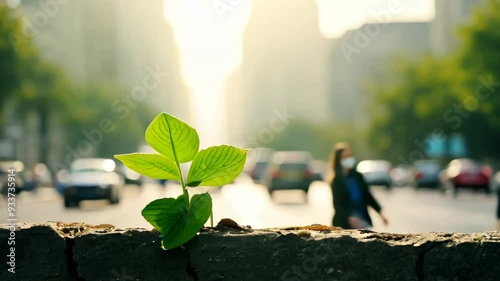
<point x="466" y="173"/>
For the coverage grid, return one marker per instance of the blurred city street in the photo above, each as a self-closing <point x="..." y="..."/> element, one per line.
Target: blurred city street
<point x="249" y="204"/>
<point x="276" y="109"/>
<point x="415" y="104"/>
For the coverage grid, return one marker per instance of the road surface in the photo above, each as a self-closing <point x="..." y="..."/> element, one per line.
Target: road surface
<point x="249" y="204"/>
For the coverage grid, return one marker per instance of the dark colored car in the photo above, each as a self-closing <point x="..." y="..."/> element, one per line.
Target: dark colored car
<point x="376" y="172"/>
<point x="25" y="180"/>
<point x="258" y="170"/>
<point x="92" y="179"/>
<point x="319" y="170"/>
<point x="258" y="161"/>
<point x="289" y="170"/>
<point x="16" y="171"/>
<point x="466" y="173"/>
<point x="426" y="173"/>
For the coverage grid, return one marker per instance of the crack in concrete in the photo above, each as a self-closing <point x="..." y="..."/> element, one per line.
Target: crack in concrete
<point x="71" y="265"/>
<point x="420" y="257"/>
<point x="190" y="270"/>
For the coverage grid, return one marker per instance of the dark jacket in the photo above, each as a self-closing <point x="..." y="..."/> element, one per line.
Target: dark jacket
<point x="342" y="200"/>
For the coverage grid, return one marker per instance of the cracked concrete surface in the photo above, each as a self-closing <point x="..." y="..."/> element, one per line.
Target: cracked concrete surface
<point x="59" y="251"/>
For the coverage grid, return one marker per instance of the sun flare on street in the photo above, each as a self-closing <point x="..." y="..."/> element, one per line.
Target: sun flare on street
<point x="211" y="45"/>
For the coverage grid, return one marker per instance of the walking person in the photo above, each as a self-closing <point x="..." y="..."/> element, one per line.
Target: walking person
<point x="351" y="193"/>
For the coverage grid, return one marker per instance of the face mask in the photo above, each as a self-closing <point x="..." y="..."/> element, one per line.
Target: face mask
<point x="348" y="163"/>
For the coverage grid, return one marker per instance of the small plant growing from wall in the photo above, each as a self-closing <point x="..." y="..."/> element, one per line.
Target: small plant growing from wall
<point x="179" y="219"/>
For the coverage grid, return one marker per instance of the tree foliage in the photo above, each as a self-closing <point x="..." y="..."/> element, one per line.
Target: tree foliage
<point x="455" y="94"/>
<point x="480" y="56"/>
<point x="417" y="101"/>
<point x="107" y="117"/>
<point x="13" y="59"/>
<point x="36" y="85"/>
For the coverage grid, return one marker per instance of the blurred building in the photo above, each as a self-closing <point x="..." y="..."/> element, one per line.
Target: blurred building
<point x="103" y="40"/>
<point x="363" y="55"/>
<point x="96" y="41"/>
<point x="283" y="70"/>
<point x="449" y="16"/>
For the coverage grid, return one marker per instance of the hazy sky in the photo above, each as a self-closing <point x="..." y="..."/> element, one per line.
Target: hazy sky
<point x="209" y="35"/>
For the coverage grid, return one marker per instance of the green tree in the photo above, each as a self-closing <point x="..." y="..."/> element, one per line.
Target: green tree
<point x="43" y="91"/>
<point x="12" y="57"/>
<point x="481" y="40"/>
<point x="412" y="104"/>
<point x="25" y="78"/>
<point x="479" y="56"/>
<point x="99" y="115"/>
<point x="102" y="115"/>
<point x="456" y="94"/>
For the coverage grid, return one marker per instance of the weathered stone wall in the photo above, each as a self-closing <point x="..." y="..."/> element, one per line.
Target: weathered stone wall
<point x="57" y="251"/>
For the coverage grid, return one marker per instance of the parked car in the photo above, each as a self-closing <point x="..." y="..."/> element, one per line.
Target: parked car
<point x="92" y="179"/>
<point x="258" y="162"/>
<point x="319" y="169"/>
<point x="258" y="170"/>
<point x="130" y="176"/>
<point x="289" y="170"/>
<point x="376" y="172"/>
<point x="17" y="168"/>
<point x="40" y="175"/>
<point x="466" y="173"/>
<point x="426" y="173"/>
<point x="496" y="182"/>
<point x="402" y="175"/>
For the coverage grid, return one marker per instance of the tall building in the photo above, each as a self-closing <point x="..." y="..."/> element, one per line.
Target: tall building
<point x="283" y="68"/>
<point x="450" y="15"/>
<point x="146" y="40"/>
<point x="360" y="55"/>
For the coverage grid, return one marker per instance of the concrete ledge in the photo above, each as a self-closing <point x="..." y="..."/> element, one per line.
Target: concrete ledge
<point x="58" y="251"/>
<point x="40" y="253"/>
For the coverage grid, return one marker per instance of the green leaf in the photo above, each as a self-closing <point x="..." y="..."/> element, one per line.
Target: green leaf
<point x="173" y="138"/>
<point x="151" y="165"/>
<point x="216" y="166"/>
<point x="178" y="220"/>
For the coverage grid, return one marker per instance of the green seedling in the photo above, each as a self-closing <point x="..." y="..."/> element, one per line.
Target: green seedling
<point x="179" y="219"/>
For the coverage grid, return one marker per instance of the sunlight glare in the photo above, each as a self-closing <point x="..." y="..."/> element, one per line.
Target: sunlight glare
<point x="210" y="49"/>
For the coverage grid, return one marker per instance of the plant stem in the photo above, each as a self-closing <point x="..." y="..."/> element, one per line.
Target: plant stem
<point x="183" y="184"/>
<point x="212" y="217"/>
<point x="177" y="163"/>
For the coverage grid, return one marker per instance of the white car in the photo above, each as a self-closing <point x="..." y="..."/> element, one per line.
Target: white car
<point x="376" y="172"/>
<point x="92" y="179"/>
